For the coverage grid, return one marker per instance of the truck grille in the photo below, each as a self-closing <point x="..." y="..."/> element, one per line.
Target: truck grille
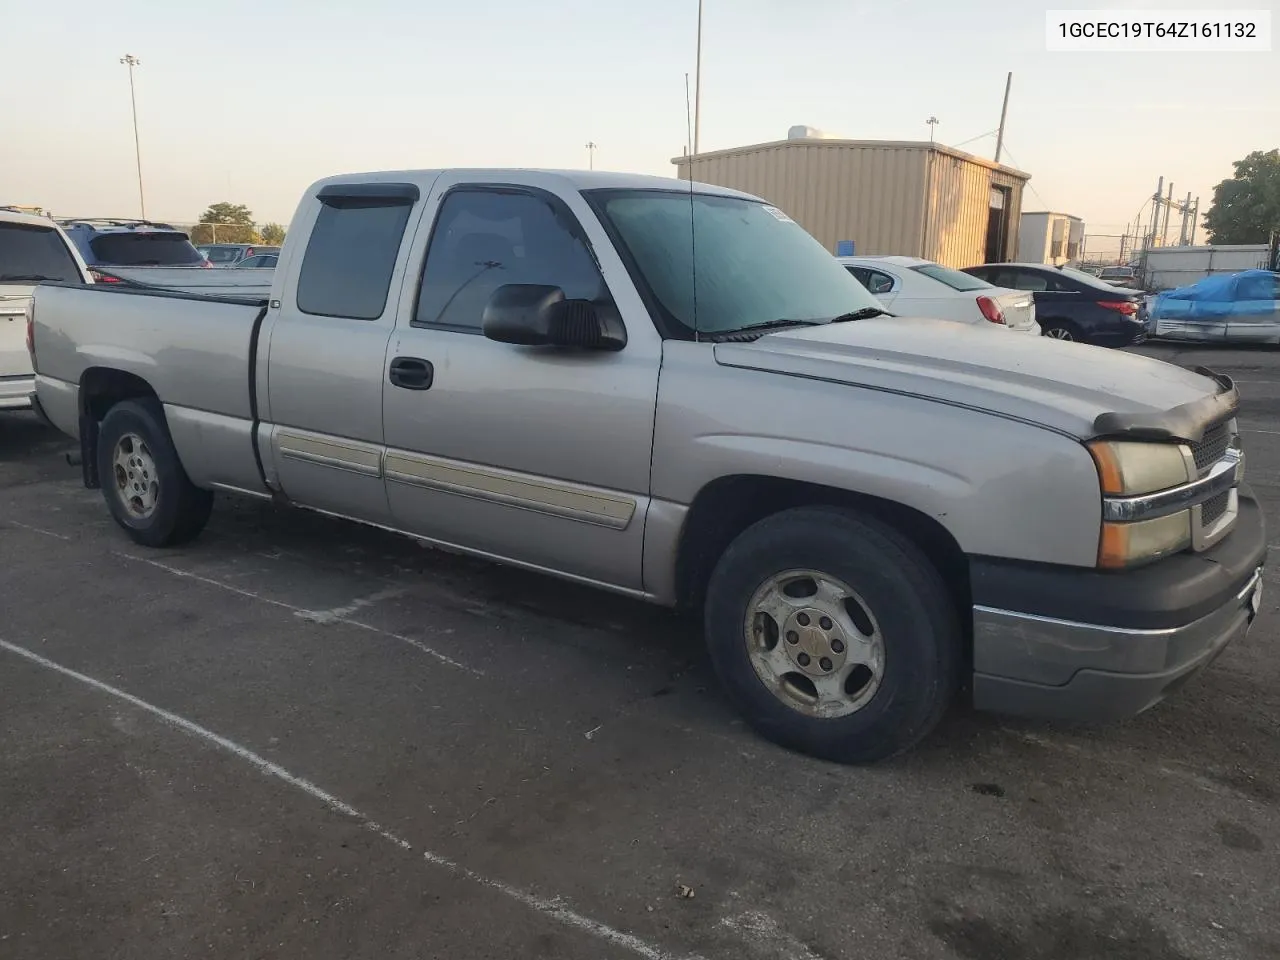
<point x="1214" y="508"/>
<point x="1210" y="449"/>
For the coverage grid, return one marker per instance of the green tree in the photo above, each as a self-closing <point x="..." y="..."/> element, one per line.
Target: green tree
<point x="1246" y="208"/>
<point x="226" y="223"/>
<point x="273" y="234"/>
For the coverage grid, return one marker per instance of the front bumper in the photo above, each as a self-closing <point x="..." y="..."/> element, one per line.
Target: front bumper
<point x="15" y="392"/>
<point x="1088" y="645"/>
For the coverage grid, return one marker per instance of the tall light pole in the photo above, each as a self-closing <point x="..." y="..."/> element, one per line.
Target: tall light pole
<point x="697" y="86"/>
<point x="591" y="154"/>
<point x="932" y="122"/>
<point x="131" y="61"/>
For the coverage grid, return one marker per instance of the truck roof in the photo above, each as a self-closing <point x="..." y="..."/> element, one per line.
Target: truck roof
<point x="571" y="179"/>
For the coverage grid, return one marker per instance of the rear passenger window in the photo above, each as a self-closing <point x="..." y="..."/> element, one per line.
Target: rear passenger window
<point x="346" y="271"/>
<point x="485" y="239"/>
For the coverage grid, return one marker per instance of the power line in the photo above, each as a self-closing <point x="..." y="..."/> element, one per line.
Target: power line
<point x="1033" y="190"/>
<point x="989" y="133"/>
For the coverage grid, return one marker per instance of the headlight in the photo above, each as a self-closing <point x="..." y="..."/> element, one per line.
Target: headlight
<point x="1129" y="544"/>
<point x="1127" y="468"/>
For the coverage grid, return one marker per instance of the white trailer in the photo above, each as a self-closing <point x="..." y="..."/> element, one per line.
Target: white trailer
<point x="1166" y="268"/>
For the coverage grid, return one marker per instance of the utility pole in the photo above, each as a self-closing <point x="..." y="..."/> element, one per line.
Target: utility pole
<point x="1186" y="213"/>
<point x="1195" y="219"/>
<point x="131" y="61"/>
<point x="1004" y="112"/>
<point x="932" y="122"/>
<point x="591" y="154"/>
<point x="1168" y="205"/>
<point x="697" y="86"/>
<point x="1156" y="199"/>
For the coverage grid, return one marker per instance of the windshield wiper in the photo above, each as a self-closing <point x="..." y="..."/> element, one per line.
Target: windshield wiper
<point x="762" y="327"/>
<point x="865" y="313"/>
<point x="8" y="277"/>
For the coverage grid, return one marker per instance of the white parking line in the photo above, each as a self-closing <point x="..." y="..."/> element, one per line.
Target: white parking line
<point x="47" y="533"/>
<point x="302" y="612"/>
<point x="552" y="908"/>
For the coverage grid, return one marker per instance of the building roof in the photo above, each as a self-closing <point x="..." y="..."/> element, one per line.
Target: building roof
<point x="1050" y="213"/>
<point x="811" y="143"/>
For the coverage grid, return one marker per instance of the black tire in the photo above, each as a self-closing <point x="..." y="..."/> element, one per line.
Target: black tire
<point x="905" y="595"/>
<point x="1061" y="330"/>
<point x="181" y="509"/>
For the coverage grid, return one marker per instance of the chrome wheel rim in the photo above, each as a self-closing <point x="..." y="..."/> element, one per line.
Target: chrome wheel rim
<point x="1058" y="333"/>
<point x="814" y="643"/>
<point x="137" y="480"/>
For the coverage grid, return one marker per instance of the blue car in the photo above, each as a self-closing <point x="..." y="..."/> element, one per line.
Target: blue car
<point x="1240" y="308"/>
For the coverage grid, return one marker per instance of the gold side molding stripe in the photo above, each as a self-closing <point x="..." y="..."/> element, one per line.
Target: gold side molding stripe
<point x="341" y="454"/>
<point x="543" y="496"/>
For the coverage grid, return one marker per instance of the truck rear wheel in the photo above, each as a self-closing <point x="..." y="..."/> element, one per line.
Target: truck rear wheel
<point x="833" y="634"/>
<point x="146" y="488"/>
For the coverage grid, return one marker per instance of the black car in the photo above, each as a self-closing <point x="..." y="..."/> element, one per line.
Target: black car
<point x="1071" y="304"/>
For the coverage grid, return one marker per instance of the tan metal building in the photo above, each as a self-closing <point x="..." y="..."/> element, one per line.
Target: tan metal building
<point x="887" y="197"/>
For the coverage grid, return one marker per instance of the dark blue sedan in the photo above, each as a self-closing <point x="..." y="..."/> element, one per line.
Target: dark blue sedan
<point x="1071" y="304"/>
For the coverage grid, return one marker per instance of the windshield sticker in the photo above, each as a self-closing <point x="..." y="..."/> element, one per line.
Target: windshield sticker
<point x="778" y="214"/>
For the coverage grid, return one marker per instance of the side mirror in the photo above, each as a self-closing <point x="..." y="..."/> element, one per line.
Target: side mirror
<point x="534" y="315"/>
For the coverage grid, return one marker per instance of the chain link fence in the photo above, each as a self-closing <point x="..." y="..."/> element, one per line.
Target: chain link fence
<point x="205" y="233"/>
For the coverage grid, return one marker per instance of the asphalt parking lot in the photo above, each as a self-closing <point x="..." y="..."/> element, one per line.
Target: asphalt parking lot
<point x="299" y="737"/>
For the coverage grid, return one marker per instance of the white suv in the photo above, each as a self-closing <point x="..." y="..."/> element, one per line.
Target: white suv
<point x="32" y="249"/>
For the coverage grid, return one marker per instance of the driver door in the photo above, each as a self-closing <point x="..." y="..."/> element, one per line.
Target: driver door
<point x="535" y="455"/>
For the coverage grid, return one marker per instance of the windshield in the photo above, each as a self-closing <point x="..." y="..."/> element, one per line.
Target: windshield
<point x="754" y="264"/>
<point x="1118" y="272"/>
<point x="223" y="254"/>
<point x="34" y="252"/>
<point x="952" y="278"/>
<point x="145" y="250"/>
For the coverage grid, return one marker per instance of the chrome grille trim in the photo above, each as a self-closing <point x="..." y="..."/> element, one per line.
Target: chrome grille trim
<point x="1220" y="478"/>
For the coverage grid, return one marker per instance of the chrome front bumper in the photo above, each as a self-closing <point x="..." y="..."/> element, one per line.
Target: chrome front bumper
<point x="1062" y="669"/>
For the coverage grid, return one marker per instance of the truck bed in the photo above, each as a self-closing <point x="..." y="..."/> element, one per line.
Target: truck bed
<point x="194" y="351"/>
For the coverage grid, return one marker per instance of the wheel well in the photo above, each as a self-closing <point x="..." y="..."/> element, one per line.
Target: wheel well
<point x="102" y="388"/>
<point x="727" y="506"/>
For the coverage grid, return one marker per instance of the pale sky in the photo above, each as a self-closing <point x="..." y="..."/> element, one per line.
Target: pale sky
<point x="251" y="100"/>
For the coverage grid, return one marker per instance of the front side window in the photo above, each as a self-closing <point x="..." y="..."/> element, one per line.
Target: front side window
<point x="29" y="254"/>
<point x="486" y="238"/>
<point x="351" y="254"/>
<point x="753" y="264"/>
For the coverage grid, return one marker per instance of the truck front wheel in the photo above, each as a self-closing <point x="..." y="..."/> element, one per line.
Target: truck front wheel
<point x="146" y="488"/>
<point x="833" y="633"/>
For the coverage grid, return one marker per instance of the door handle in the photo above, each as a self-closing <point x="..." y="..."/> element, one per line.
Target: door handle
<point x="411" y="373"/>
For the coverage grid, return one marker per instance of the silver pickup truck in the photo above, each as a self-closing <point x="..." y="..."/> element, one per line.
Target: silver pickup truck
<point x="671" y="391"/>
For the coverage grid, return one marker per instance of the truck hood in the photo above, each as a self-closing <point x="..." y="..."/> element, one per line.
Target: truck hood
<point x="1069" y="387"/>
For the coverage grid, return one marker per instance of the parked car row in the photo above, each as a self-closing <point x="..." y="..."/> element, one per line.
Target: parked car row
<point x="1058" y="302"/>
<point x="240" y="255"/>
